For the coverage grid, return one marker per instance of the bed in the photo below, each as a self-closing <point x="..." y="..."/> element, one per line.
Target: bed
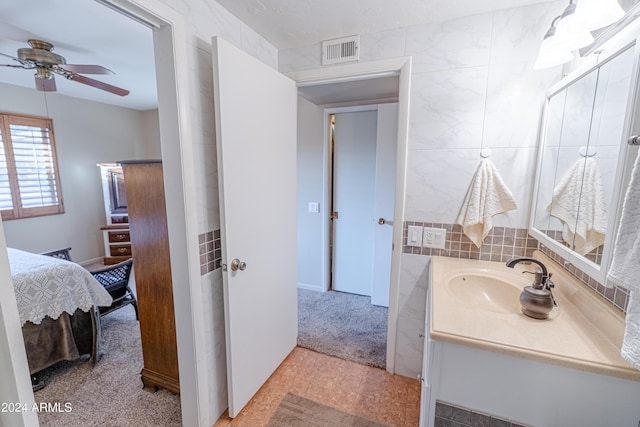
<point x="57" y="302"/>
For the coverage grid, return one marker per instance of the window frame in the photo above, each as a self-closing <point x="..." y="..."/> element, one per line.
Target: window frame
<point x="18" y="211"/>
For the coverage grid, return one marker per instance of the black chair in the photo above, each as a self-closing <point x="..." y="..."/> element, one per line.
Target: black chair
<point x="59" y="253"/>
<point x="115" y="279"/>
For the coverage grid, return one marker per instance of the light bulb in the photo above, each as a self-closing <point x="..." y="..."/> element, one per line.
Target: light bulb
<point x="593" y="14"/>
<point x="551" y="55"/>
<point x="569" y="34"/>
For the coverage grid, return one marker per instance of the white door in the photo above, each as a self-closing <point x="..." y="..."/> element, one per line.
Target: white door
<point x="354" y="165"/>
<point x="385" y="191"/>
<point x="255" y="113"/>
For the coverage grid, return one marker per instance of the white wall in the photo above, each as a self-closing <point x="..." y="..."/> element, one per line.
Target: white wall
<point x="150" y="144"/>
<point x="311" y="170"/>
<point x="86" y="133"/>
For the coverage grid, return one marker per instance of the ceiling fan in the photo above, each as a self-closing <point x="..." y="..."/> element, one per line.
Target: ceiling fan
<point x="46" y="63"/>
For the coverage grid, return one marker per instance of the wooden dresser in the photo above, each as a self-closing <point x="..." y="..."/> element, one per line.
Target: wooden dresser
<point x="152" y="268"/>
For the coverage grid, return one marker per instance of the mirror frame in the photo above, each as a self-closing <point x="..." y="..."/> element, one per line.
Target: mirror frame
<point x="611" y="50"/>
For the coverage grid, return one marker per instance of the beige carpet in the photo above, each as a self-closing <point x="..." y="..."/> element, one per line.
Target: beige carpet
<point x="110" y="393"/>
<point x="343" y="325"/>
<point x="296" y="411"/>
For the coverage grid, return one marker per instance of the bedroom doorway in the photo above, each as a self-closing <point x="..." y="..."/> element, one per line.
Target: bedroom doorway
<point x="171" y="63"/>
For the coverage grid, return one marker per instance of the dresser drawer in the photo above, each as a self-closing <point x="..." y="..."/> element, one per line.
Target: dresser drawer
<point x="120" y="250"/>
<point x="118" y="236"/>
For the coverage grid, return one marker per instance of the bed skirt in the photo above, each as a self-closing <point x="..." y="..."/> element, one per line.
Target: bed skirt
<point x="66" y="338"/>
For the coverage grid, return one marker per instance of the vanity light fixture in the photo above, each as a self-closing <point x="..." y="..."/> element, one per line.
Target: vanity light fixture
<point x="551" y="54"/>
<point x="571" y="30"/>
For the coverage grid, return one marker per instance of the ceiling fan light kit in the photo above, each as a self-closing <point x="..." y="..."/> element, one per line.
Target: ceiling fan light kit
<point x="40" y="57"/>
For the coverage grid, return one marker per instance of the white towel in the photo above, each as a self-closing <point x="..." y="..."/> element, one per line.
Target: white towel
<point x="487" y="196"/>
<point x="630" y="350"/>
<point x="581" y="187"/>
<point x="625" y="267"/>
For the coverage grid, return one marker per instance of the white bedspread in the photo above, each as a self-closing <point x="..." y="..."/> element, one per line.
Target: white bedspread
<point x="47" y="286"/>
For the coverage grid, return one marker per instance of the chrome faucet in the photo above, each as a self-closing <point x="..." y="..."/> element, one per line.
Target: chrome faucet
<point x="536" y="300"/>
<point x="541" y="274"/>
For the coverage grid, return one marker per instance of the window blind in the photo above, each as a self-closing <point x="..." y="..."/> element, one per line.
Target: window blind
<point x="29" y="180"/>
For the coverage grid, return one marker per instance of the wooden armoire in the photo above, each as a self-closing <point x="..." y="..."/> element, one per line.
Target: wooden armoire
<point x="152" y="269"/>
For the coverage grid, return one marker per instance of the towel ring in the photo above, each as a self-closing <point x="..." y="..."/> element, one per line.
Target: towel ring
<point x="485" y="153"/>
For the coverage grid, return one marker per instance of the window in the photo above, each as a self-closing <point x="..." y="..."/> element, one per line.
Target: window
<point x="29" y="181"/>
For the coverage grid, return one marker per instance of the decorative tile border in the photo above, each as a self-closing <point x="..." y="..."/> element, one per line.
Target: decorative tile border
<point x="502" y="243"/>
<point x="448" y="415"/>
<point x="617" y="296"/>
<point x="210" y="252"/>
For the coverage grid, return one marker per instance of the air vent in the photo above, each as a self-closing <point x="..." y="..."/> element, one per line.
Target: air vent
<point x="346" y="49"/>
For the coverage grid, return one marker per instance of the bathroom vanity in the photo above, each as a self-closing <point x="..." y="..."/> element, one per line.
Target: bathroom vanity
<point x="483" y="354"/>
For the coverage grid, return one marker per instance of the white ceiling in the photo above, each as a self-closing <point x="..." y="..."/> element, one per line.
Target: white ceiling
<point x="85" y="32"/>
<point x="294" y="23"/>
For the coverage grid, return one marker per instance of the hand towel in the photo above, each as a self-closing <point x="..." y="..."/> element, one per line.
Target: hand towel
<point x="625" y="270"/>
<point x="579" y="202"/>
<point x="487" y="196"/>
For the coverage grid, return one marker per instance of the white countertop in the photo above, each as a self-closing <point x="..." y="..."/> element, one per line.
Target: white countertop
<point x="584" y="332"/>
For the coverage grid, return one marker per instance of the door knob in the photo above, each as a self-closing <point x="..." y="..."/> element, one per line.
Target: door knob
<point x="382" y="221"/>
<point x="236" y="265"/>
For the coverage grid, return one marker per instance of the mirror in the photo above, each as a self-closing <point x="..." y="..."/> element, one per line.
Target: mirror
<point x="116" y="190"/>
<point x="582" y="144"/>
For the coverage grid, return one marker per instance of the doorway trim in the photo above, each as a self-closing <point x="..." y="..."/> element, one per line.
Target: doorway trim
<point x="172" y="74"/>
<point x="364" y="71"/>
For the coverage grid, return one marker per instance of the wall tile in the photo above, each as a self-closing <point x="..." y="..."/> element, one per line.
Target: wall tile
<point x="437" y="182"/>
<point x="413" y="286"/>
<point x="518" y="32"/>
<point x="515" y="100"/>
<point x="302" y="58"/>
<point x="450" y="45"/>
<point x="382" y="45"/>
<point x="409" y="345"/>
<point x="210" y="252"/>
<point x="258" y="47"/>
<point x="447" y="108"/>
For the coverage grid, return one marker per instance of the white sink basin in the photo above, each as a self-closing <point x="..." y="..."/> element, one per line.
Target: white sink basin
<point x="486" y="291"/>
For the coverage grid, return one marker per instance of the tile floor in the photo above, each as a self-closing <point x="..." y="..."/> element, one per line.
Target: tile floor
<point x="362" y="390"/>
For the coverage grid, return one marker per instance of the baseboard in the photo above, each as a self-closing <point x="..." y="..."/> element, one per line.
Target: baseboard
<point x="91" y="261"/>
<point x="317" y="288"/>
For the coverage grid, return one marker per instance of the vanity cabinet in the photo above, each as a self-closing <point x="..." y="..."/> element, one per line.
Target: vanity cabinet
<point x="565" y="371"/>
<point x="152" y="265"/>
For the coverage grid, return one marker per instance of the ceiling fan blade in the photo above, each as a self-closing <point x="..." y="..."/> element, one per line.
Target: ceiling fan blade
<point x="97" y="84"/>
<point x="45" y="84"/>
<point x="9" y="56"/>
<point x="85" y="69"/>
